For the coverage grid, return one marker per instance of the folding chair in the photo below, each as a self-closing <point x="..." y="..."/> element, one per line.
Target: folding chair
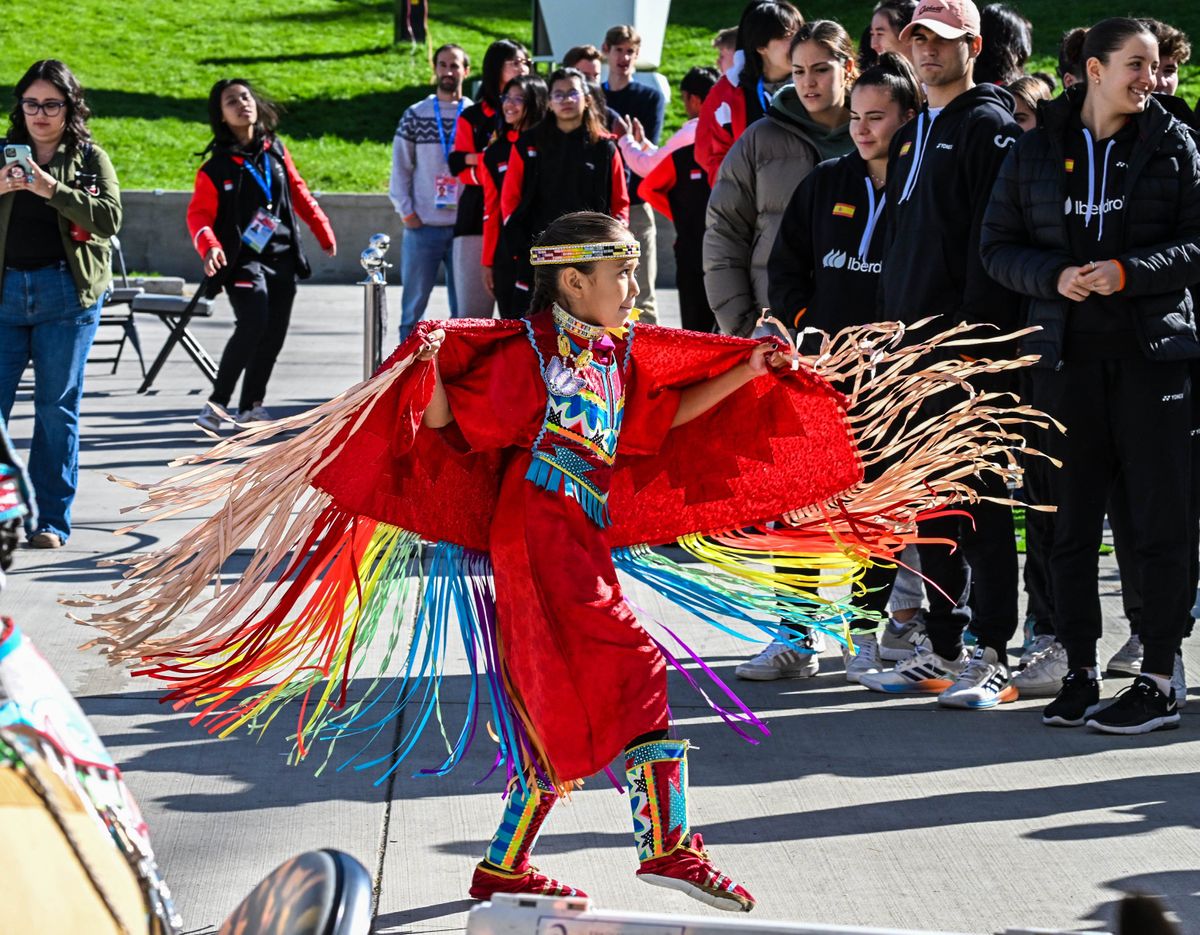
<point x="176" y="312"/>
<point x="117" y="313"/>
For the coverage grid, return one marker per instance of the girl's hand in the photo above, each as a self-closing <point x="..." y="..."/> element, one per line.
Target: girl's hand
<point x="1070" y="284"/>
<point x="489" y="281"/>
<point x="1103" y="278"/>
<point x="331" y="250"/>
<point x="213" y="261"/>
<point x="431" y="344"/>
<point x="43" y="183"/>
<point x="765" y="357"/>
<point x="638" y="131"/>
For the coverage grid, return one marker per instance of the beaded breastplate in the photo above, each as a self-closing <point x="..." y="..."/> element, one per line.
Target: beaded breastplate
<point x="585" y="370"/>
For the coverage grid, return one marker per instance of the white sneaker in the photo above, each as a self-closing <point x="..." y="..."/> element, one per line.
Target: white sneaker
<point x="1043" y="674"/>
<point x="865" y="660"/>
<point x="1127" y="660"/>
<point x="1179" y="681"/>
<point x="902" y="640"/>
<point x="257" y="414"/>
<point x="781" y="660"/>
<point x="1036" y="646"/>
<point x="209" y="419"/>
<point x="923" y="672"/>
<point x="984" y="683"/>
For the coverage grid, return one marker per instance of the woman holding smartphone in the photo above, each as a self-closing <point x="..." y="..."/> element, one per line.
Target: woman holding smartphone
<point x="243" y="219"/>
<point x="59" y="205"/>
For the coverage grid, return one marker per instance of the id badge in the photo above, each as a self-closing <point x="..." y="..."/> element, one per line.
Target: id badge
<point x="259" y="231"/>
<point x="445" y="192"/>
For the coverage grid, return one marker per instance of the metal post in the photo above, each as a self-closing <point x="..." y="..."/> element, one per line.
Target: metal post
<point x="374" y="301"/>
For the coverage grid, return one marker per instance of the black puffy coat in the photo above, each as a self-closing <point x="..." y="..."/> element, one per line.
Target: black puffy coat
<point x="1025" y="244"/>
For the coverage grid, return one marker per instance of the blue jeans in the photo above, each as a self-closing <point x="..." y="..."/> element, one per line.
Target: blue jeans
<point x="422" y="251"/>
<point x="41" y="320"/>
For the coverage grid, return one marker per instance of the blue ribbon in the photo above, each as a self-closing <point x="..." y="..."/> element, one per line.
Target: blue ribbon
<point x="262" y="178"/>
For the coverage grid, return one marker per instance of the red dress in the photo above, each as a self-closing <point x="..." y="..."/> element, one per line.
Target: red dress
<point x="587" y="674"/>
<point x="570" y="674"/>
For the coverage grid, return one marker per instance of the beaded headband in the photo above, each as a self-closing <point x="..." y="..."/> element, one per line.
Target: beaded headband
<point x="566" y="254"/>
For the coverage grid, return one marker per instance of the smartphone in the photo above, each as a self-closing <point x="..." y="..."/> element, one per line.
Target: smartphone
<point x="21" y="155"/>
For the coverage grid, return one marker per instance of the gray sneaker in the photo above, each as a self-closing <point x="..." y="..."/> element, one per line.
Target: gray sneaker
<point x="257" y="414"/>
<point x="865" y="658"/>
<point x="209" y="419"/>
<point x="1043" y="674"/>
<point x="1037" y="646"/>
<point x="781" y="660"/>
<point x="1127" y="661"/>
<point x="902" y="640"/>
<point x="1179" y="681"/>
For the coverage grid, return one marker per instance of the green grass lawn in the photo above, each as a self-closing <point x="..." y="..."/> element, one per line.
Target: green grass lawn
<point x="332" y="65"/>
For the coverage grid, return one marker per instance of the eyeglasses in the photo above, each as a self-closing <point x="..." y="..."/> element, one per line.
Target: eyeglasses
<point x="527" y="62"/>
<point x="49" y="108"/>
<point x="560" y="96"/>
<point x="512" y="99"/>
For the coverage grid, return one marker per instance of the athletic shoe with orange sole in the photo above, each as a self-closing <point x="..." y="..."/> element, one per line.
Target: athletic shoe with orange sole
<point x="984" y="683"/>
<point x="688" y="870"/>
<point x="489" y="880"/>
<point x="923" y="673"/>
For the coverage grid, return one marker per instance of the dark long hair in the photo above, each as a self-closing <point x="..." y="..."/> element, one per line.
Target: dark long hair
<point x="762" y="21"/>
<point x="533" y="89"/>
<point x="1007" y="45"/>
<point x="222" y="136"/>
<point x="895" y="73"/>
<point x="592" y="122"/>
<point x="494" y="59"/>
<point x="1107" y="36"/>
<point x="75" y="132"/>
<point x="577" y="228"/>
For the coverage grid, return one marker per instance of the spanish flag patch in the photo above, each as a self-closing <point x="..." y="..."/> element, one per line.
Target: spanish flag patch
<point x="1069" y="165"/>
<point x="905" y="148"/>
<point x="843" y="210"/>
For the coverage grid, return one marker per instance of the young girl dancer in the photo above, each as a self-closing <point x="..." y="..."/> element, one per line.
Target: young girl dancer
<point x="536" y="458"/>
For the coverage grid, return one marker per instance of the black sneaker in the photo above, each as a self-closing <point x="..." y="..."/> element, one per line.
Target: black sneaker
<point x="1075" y="702"/>
<point x="1138" y="709"/>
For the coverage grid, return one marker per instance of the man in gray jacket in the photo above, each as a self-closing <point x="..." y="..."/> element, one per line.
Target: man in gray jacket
<point x="423" y="190"/>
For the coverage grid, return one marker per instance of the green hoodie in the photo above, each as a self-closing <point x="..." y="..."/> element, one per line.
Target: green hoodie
<point x="830" y="144"/>
<point x="99" y="214"/>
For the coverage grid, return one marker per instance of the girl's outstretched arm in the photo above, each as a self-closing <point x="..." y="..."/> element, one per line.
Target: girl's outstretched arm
<point x="437" y="413"/>
<point x="698" y="399"/>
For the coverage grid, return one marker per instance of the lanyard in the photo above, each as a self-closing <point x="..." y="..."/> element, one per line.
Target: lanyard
<point x="764" y="97"/>
<point x="447" y="147"/>
<point x="873" y="214"/>
<point x="263" y="179"/>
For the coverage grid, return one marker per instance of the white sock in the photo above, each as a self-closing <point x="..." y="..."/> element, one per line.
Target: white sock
<point x="1093" y="673"/>
<point x="1162" y="681"/>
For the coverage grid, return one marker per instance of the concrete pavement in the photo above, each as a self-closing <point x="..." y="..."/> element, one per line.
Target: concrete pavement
<point x="859" y="809"/>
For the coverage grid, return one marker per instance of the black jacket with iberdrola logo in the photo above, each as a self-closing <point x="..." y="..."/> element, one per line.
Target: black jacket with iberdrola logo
<point x="1039" y="223"/>
<point x="824" y="268"/>
<point x="940" y="177"/>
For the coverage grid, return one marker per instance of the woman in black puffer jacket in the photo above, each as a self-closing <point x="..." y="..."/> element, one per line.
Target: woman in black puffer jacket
<point x="1096" y="218"/>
